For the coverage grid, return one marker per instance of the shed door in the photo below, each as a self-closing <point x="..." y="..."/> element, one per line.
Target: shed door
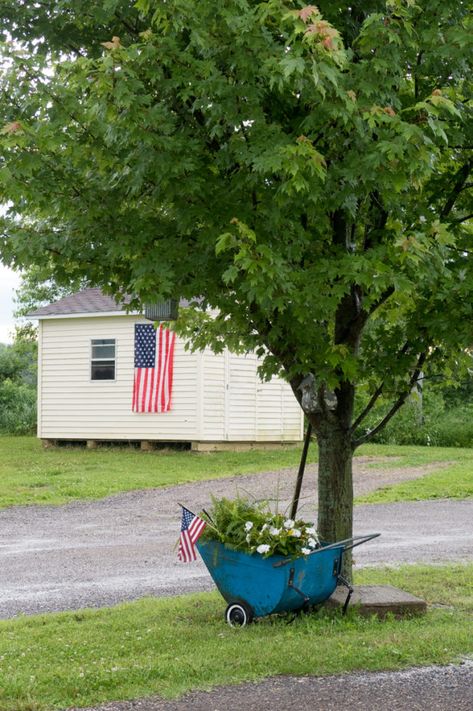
<point x="240" y="397"/>
<point x="270" y="411"/>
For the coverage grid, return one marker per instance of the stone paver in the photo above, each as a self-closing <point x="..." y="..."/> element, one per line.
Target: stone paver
<point x="379" y="600"/>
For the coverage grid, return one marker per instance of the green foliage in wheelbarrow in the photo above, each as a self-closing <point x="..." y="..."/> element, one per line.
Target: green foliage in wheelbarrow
<point x="253" y="528"/>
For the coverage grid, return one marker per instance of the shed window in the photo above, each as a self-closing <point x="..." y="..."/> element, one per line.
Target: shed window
<point x="102" y="364"/>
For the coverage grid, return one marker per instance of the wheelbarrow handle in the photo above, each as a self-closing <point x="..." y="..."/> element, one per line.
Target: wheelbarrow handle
<point x="361" y="539"/>
<point x="347" y="543"/>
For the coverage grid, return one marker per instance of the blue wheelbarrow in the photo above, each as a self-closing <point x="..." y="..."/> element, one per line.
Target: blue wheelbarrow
<point x="254" y="586"/>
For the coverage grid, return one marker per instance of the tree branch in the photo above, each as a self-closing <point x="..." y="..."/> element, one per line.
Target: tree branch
<point x="368" y="408"/>
<point x="416" y="77"/>
<point x="375" y="396"/>
<point x="459" y="249"/>
<point x="382" y="299"/>
<point x="397" y="405"/>
<point x="75" y="50"/>
<point x="460" y="180"/>
<point x="463" y="219"/>
<point x="132" y="30"/>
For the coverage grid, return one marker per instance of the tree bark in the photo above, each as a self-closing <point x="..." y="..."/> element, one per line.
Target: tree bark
<point x="335" y="486"/>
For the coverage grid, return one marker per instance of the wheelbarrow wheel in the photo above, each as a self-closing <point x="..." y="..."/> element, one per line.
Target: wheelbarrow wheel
<point x="238" y="614"/>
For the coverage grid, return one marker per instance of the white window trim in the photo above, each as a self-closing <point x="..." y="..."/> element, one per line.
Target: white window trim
<point x="95" y="360"/>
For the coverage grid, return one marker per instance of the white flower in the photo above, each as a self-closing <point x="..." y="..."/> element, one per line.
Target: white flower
<point x="248" y="525"/>
<point x="289" y="523"/>
<point x="263" y="548"/>
<point x="306" y="551"/>
<point x="312" y="543"/>
<point x="264" y="527"/>
<point x="248" y="537"/>
<point x="295" y="532"/>
<point x="310" y="530"/>
<point x="274" y="531"/>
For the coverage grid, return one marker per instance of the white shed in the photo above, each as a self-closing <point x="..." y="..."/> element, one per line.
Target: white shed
<point x="86" y="374"/>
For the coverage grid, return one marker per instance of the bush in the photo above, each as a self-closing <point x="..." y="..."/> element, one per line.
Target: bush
<point x="434" y="425"/>
<point x="411" y="424"/>
<point x="17" y="408"/>
<point x="455" y="428"/>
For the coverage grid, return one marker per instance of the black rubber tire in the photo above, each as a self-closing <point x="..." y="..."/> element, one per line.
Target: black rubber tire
<point x="238" y="614"/>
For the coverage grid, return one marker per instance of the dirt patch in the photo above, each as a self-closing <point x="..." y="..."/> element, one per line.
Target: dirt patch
<point x="366" y="478"/>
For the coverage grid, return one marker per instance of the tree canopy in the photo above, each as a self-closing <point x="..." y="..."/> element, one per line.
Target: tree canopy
<point x="304" y="169"/>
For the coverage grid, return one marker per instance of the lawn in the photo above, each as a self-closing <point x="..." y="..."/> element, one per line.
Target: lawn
<point x="169" y="646"/>
<point x="30" y="474"/>
<point x="454" y="481"/>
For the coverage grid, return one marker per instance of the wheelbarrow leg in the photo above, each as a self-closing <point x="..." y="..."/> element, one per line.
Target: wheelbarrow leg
<point x="350" y="592"/>
<point x="290" y="584"/>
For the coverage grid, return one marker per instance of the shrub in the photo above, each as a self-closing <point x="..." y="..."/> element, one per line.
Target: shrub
<point x="455" y="428"/>
<point x="433" y="425"/>
<point x="17" y="408"/>
<point x="412" y="424"/>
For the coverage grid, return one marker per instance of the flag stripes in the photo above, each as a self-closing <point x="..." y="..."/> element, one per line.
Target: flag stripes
<point x="154" y="366"/>
<point x="191" y="528"/>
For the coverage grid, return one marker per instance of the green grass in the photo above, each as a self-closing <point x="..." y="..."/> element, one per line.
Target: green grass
<point x="413" y="455"/>
<point x="453" y="481"/>
<point x="169" y="646"/>
<point x="30" y="474"/>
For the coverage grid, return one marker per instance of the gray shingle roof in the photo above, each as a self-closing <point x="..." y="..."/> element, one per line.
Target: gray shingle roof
<point x="88" y="301"/>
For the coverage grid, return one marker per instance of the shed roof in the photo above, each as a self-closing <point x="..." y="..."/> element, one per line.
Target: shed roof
<point x="88" y="301"/>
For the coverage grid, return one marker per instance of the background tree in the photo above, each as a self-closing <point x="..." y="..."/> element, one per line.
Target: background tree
<point x="18" y="386"/>
<point x="305" y="169"/>
<point x="18" y="361"/>
<point x="37" y="289"/>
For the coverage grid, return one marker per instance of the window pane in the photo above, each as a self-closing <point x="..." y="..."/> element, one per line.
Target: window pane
<point x="103" y="370"/>
<point x="105" y="351"/>
<point x="103" y="341"/>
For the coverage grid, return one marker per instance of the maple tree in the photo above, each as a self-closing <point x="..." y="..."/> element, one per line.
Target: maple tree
<point x="306" y="169"/>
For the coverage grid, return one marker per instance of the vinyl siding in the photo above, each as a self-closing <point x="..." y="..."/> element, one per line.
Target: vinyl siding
<point x="239" y="407"/>
<point x="215" y="397"/>
<point x="75" y="407"/>
<point x="241" y="397"/>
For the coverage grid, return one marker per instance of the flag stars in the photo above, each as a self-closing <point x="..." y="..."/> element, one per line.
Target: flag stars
<point x="145" y="346"/>
<point x="154" y="353"/>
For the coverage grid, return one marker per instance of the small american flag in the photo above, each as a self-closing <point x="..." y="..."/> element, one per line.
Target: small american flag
<point x="154" y="361"/>
<point x="191" y="528"/>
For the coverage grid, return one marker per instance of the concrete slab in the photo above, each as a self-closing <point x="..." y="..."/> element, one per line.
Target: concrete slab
<point x="379" y="600"/>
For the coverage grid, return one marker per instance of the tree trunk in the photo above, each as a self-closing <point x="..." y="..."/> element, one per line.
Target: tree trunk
<point x="335" y="486"/>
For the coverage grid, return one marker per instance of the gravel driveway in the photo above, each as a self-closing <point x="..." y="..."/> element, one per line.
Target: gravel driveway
<point x="423" y="689"/>
<point x="121" y="548"/>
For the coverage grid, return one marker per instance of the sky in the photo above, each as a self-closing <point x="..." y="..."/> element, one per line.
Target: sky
<point x="9" y="281"/>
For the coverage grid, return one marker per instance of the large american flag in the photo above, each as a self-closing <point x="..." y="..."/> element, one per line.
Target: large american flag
<point x="191" y="528"/>
<point x="154" y="360"/>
